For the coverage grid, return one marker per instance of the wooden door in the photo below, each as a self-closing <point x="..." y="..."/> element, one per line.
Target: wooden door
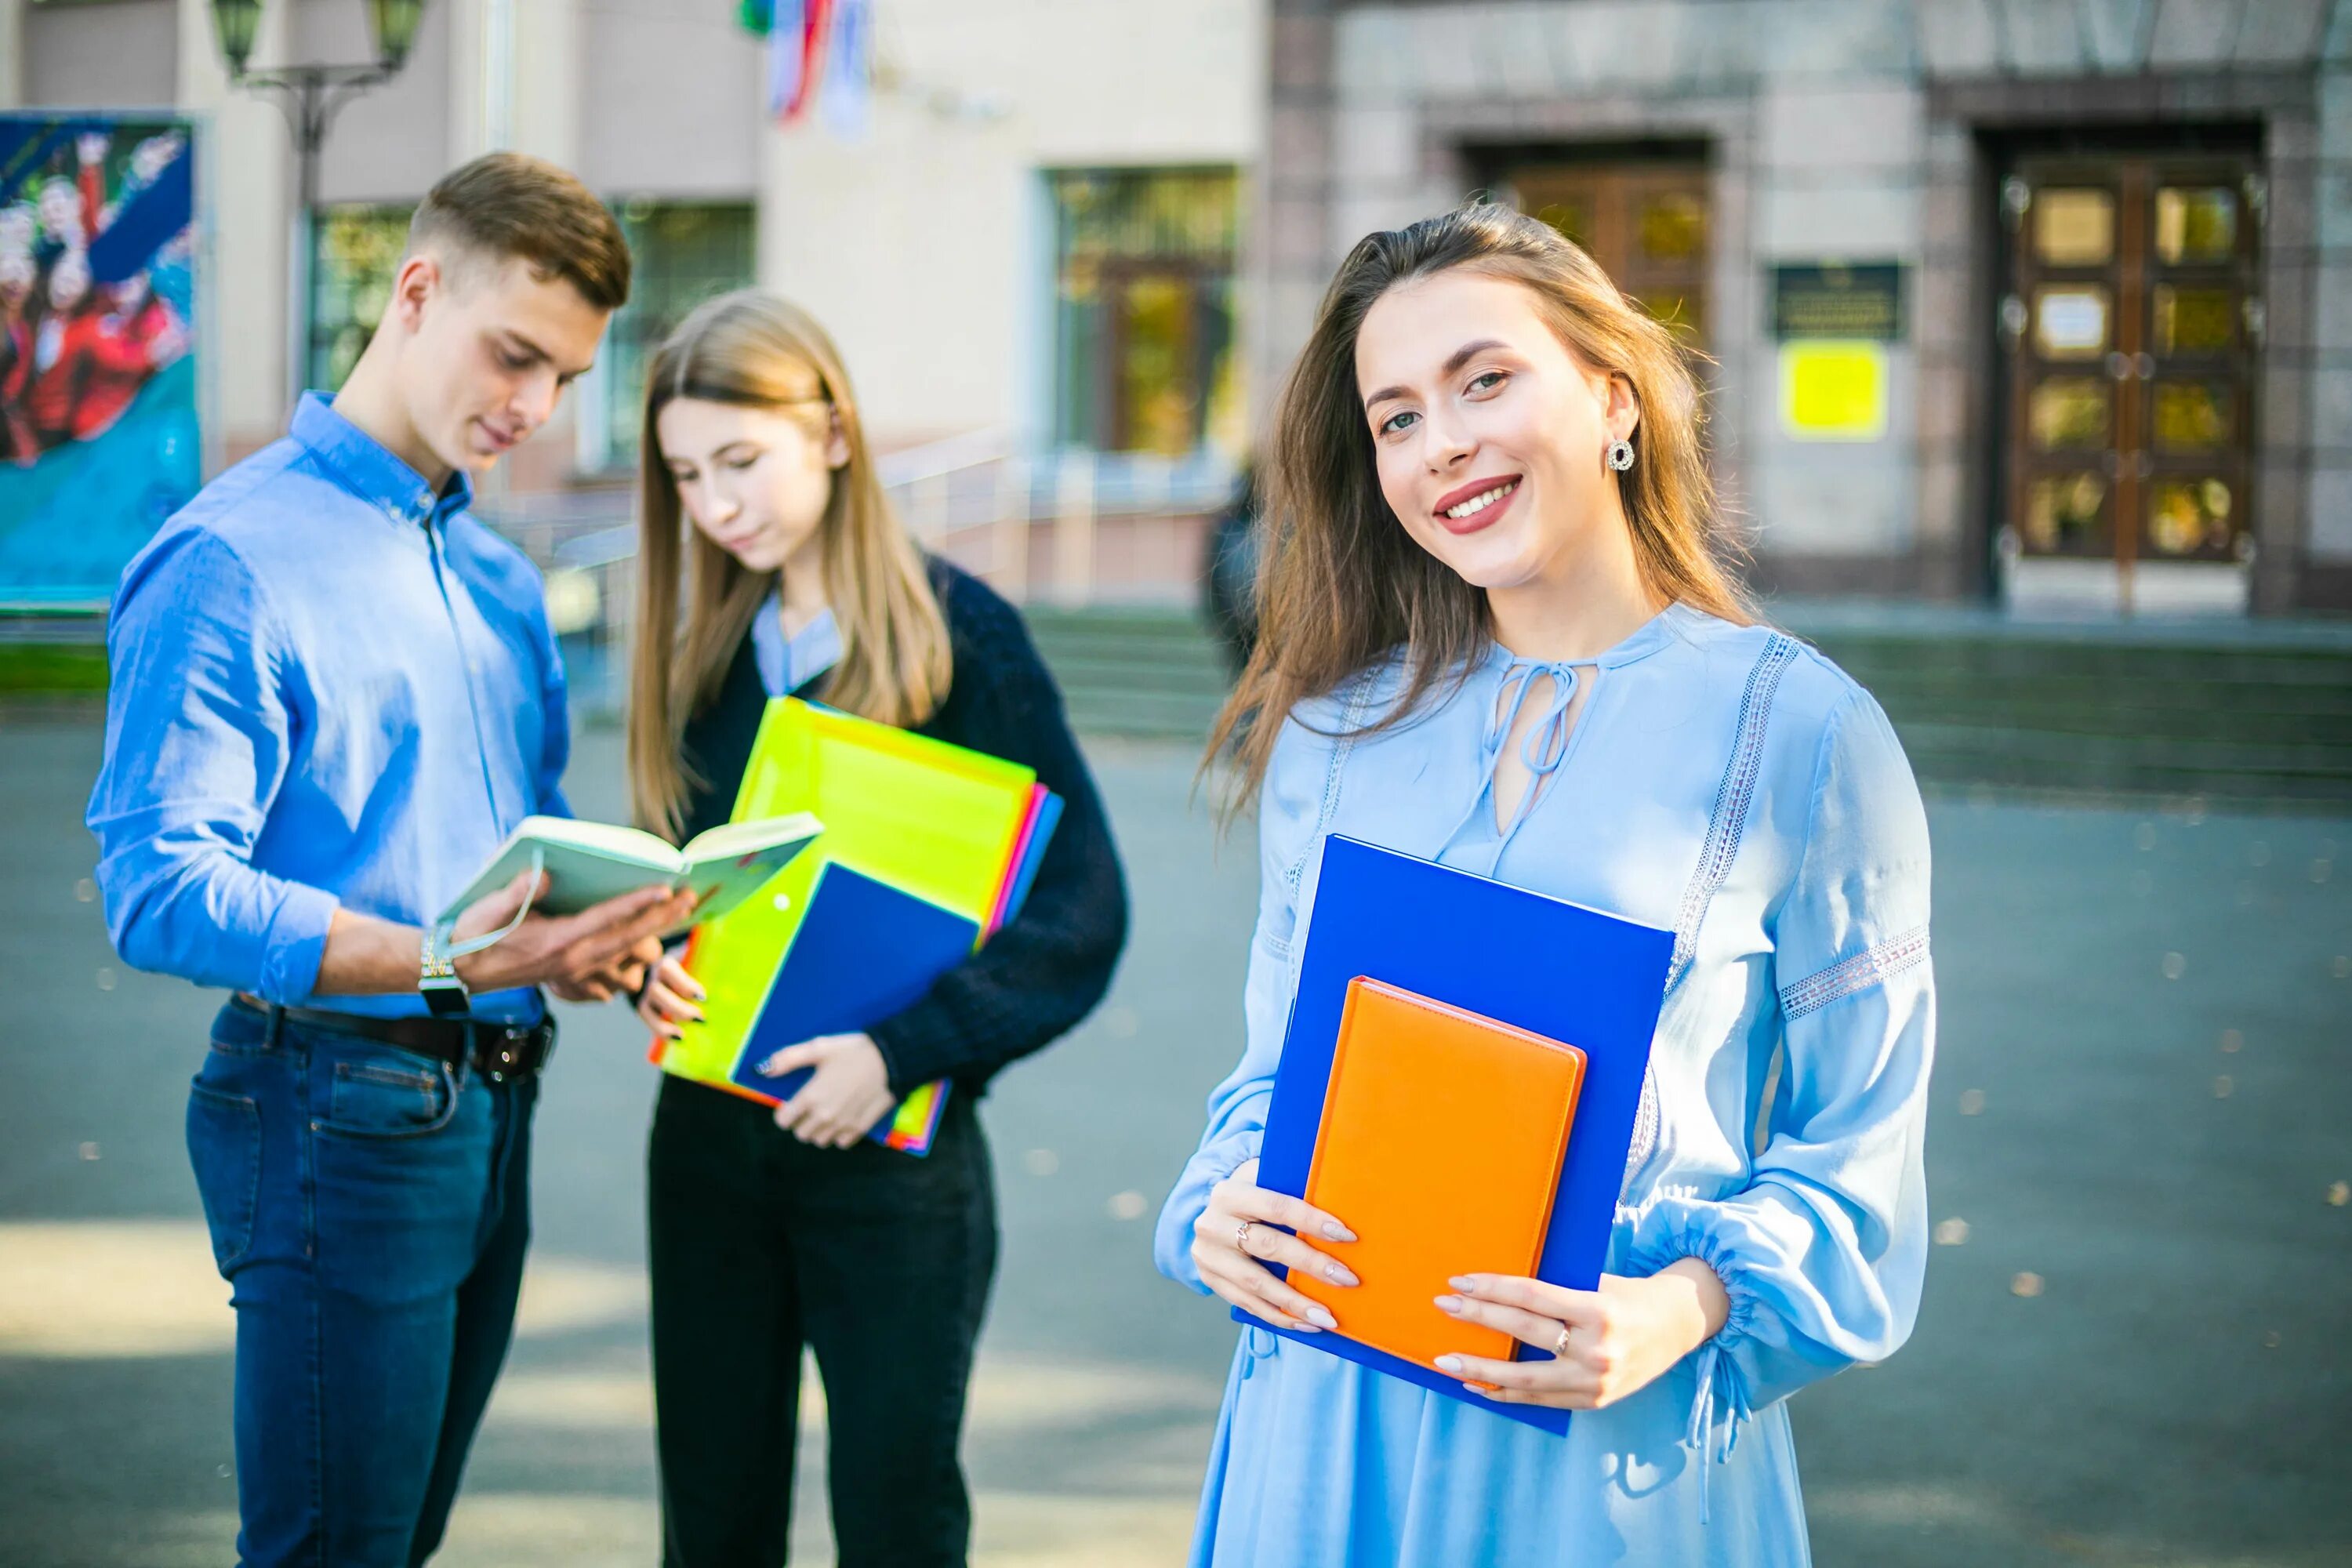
<point x="1645" y="223"/>
<point x="2133" y="327"/>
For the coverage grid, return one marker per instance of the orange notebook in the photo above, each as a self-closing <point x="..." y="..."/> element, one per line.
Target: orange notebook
<point x="1440" y="1147"/>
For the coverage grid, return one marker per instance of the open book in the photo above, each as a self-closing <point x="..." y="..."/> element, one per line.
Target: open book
<point x="588" y="862"/>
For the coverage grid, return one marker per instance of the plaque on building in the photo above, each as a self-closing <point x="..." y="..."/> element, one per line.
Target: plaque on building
<point x="1838" y="300"/>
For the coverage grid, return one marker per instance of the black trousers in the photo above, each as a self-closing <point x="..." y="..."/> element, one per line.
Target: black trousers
<point x="878" y="1261"/>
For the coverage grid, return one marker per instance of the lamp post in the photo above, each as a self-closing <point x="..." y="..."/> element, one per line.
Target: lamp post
<point x="310" y="96"/>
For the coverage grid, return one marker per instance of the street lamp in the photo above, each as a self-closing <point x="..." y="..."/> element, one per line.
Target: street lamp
<point x="310" y="96"/>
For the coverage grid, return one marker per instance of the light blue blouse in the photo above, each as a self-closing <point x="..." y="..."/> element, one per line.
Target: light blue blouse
<point x="1729" y="784"/>
<point x="787" y="664"/>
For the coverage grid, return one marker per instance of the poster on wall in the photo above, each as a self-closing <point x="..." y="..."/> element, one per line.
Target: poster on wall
<point x="98" y="437"/>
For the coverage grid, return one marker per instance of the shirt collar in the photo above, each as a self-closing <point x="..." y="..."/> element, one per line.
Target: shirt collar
<point x="786" y="666"/>
<point x="367" y="467"/>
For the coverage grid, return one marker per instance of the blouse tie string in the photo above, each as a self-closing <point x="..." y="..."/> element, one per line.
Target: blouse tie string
<point x="1715" y="1381"/>
<point x="1542" y="749"/>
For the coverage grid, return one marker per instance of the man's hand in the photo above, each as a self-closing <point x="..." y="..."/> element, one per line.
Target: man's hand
<point x="582" y="957"/>
<point x="622" y="977"/>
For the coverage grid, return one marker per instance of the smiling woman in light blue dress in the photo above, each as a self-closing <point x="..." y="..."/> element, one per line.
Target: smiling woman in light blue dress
<point x="1493" y="633"/>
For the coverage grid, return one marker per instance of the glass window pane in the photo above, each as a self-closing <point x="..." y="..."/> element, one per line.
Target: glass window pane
<point x="2194" y="321"/>
<point x="2070" y="321"/>
<point x="2186" y="516"/>
<point x="2075" y="228"/>
<point x="683" y="253"/>
<point x="355" y="252"/>
<point x="1673" y="227"/>
<point x="2193" y="416"/>
<point x="2062" y="515"/>
<point x="2068" y="412"/>
<point x="1143" y="272"/>
<point x="2196" y="224"/>
<point x="1161" y="399"/>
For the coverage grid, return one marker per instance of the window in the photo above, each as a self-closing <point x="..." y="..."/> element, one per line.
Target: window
<point x="1144" y="344"/>
<point x="354" y="254"/>
<point x="682" y="254"/>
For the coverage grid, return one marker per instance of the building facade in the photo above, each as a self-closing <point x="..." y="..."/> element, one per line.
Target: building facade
<point x="2041" y="302"/>
<point x="2046" y="301"/>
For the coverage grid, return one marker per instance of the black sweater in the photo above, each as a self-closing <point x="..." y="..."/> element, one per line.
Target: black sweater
<point x="1035" y="979"/>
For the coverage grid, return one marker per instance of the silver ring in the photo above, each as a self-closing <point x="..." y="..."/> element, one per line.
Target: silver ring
<point x="1560" y="1345"/>
<point x="1241" y="1238"/>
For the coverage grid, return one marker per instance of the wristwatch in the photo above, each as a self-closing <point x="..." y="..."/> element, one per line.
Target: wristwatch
<point x="437" y="981"/>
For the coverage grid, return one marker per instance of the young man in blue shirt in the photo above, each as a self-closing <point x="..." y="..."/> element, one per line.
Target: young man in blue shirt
<point x="334" y="694"/>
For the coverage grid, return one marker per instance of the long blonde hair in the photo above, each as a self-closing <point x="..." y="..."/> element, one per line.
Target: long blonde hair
<point x="1343" y="584"/>
<point x="753" y="349"/>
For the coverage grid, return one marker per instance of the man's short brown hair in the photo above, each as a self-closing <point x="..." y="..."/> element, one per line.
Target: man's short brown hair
<point x="510" y="205"/>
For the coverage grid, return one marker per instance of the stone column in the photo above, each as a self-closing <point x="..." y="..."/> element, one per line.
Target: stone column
<point x="1285" y="256"/>
<point x="244" y="205"/>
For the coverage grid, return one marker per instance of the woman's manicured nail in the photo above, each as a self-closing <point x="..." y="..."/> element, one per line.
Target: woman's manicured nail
<point x="1321" y="1318"/>
<point x="1466" y="1283"/>
<point x="1449" y="1304"/>
<point x="1337" y="1274"/>
<point x="1337" y="1232"/>
<point x="1449" y="1363"/>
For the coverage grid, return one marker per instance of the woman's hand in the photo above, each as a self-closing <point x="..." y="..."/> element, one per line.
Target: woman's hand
<point x="1232" y="1260"/>
<point x="844" y="1099"/>
<point x="1620" y="1338"/>
<point x="669" y="1000"/>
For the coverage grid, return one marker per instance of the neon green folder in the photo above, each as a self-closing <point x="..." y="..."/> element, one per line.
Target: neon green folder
<point x="933" y="819"/>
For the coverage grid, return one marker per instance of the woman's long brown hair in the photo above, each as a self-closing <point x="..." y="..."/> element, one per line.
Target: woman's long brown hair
<point x="1343" y="585"/>
<point x="753" y="349"/>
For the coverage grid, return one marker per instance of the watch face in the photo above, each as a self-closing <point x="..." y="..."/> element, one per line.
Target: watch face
<point x="445" y="998"/>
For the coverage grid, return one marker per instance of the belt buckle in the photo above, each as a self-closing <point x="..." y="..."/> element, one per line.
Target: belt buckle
<point x="515" y="1052"/>
<point x="500" y="1056"/>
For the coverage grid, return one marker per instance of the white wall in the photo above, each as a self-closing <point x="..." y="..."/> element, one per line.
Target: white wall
<point x="919" y="246"/>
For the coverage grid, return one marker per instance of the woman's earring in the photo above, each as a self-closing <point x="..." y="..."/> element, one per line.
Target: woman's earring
<point x="1621" y="455"/>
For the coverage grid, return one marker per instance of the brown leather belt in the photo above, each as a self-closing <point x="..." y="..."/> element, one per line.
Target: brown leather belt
<point x="497" y="1051"/>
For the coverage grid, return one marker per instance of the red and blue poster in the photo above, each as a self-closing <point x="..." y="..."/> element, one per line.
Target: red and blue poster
<point x="98" y="437"/>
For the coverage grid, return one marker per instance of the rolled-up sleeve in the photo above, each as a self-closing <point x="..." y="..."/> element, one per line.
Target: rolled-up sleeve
<point x="1289" y="812"/>
<point x="198" y="739"/>
<point x="1823" y="1253"/>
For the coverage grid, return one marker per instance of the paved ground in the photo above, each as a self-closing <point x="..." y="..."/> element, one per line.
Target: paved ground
<point x="2132" y="1350"/>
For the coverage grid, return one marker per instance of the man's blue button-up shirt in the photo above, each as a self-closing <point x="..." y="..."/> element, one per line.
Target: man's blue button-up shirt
<point x="331" y="688"/>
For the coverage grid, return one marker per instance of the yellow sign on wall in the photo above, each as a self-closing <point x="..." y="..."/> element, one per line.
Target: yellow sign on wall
<point x="1833" y="390"/>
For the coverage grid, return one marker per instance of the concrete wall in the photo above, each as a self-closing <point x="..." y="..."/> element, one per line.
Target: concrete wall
<point x="117" y="56"/>
<point x="925" y="247"/>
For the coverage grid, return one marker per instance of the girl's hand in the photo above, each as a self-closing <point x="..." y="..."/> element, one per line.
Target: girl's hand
<point x="847" y="1094"/>
<point x="669" y="1000"/>
<point x="1232" y="1260"/>
<point x="1619" y="1339"/>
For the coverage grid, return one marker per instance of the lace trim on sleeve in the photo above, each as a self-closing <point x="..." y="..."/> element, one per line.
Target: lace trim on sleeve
<point x="1863" y="970"/>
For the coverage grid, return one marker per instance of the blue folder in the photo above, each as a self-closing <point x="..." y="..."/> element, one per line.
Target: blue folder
<point x="1591" y="980"/>
<point x="864" y="951"/>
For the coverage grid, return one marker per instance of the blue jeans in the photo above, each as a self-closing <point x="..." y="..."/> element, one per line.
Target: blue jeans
<point x="370" y="1208"/>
